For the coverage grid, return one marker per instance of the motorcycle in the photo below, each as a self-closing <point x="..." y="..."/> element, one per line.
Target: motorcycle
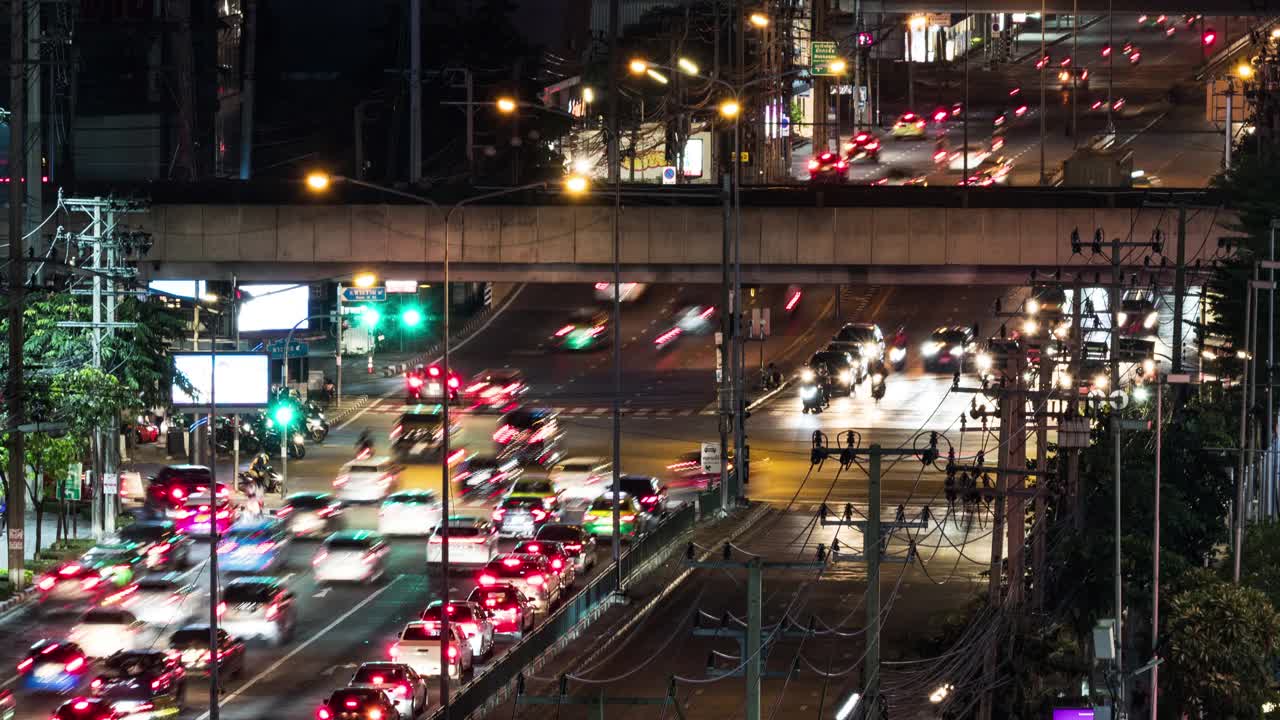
<point x="317" y="428"/>
<point x="812" y="397"/>
<point x="269" y="482"/>
<point x="296" y="446"/>
<point x="898" y="351"/>
<point x="877" y="387"/>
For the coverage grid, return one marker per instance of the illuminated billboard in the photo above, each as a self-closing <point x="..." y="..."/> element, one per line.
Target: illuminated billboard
<point x="274" y="307"/>
<point x="239" y="382"/>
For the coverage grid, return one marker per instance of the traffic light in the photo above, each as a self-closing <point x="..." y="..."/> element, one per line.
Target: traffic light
<point x="283" y="414"/>
<point x="1208" y="37"/>
<point x="411" y="317"/>
<point x="370" y="316"/>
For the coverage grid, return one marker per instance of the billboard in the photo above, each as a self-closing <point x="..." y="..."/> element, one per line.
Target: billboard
<point x="239" y="382"/>
<point x="190" y="289"/>
<point x="274" y="307"/>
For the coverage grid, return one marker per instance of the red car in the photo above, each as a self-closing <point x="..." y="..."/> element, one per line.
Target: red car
<point x="194" y="516"/>
<point x="82" y="708"/>
<point x="174" y="484"/>
<point x="146" y="433"/>
<point x="828" y="167"/>
<point x="512" y="611"/>
<point x="863" y="146"/>
<point x="555" y="554"/>
<point x="72" y="586"/>
<point x="426" y="384"/>
<point x="495" y="388"/>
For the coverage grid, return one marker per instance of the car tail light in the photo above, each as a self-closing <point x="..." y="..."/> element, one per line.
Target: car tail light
<point x="26" y="664"/>
<point x="535" y="580"/>
<point x="490" y="602"/>
<point x="873" y="145"/>
<point x="49" y="649"/>
<point x="47" y="583"/>
<point x="322" y="713"/>
<point x="497" y="514"/>
<point x="433" y="371"/>
<point x="97" y="683"/>
<point x="74" y="664"/>
<point x="69" y="569"/>
<point x="81" y="704"/>
<point x="223" y="514"/>
<point x="453" y="653"/>
<point x="222" y="608"/>
<point x="340" y="480"/>
<point x="487" y="580"/>
<point x="117" y="597"/>
<point x="351" y="703"/>
<point x="454" y="382"/>
<point x="565" y="330"/>
<point x="393" y="651"/>
<point x="155" y="684"/>
<point x="177" y="493"/>
<point x="160" y="549"/>
<point x="273" y="610"/>
<point x="940" y="156"/>
<point x="415" y="382"/>
<point x="539" y="514"/>
<point x="573" y="546"/>
<point x="557" y="564"/>
<point x="673" y="333"/>
<point x="90" y="583"/>
<point x="511" y="562"/>
<point x="504" y="434"/>
<point x="649" y="499"/>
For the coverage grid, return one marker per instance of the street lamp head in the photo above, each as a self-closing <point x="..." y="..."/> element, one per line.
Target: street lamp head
<point x="208" y="298"/>
<point x="657" y="76"/>
<point x="758" y="19"/>
<point x="730" y="108"/>
<point x="637" y="66"/>
<point x="687" y="66"/>
<point x="917" y="22"/>
<point x="588" y="95"/>
<point x="319" y="181"/>
<point x="506" y="105"/>
<point x="365" y="280"/>
<point x="1244" y="71"/>
<point x="837" y="66"/>
<point x="576" y="184"/>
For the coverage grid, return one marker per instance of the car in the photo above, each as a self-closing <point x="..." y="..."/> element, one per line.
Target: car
<point x="83" y="708"/>
<point x="828" y="167"/>
<point x="417" y="435"/>
<point x="472" y="620"/>
<point x="147" y="683"/>
<point x="117" y="561"/>
<point x="908" y="126"/>
<point x="686" y="471"/>
<point x="584" y="329"/>
<point x="530" y="574"/>
<point x="472" y="541"/>
<point x="310" y="514"/>
<point x="409" y="513"/>
<point x="258" y="607"/>
<point x="976" y="154"/>
<point x="408" y="689"/>
<point x="351" y="556"/>
<point x="159" y="542"/>
<point x="510" y="611"/>
<point x="104" y="631"/>
<point x="362" y="702"/>
<point x="200" y="514"/>
<point x="1138" y="315"/>
<point x="71" y="586"/>
<point x="1079" y="74"/>
<point x="993" y="171"/>
<point x="419" y="648"/>
<point x="427" y="383"/>
<point x="367" y="481"/>
<point x="696" y="319"/>
<point x="843" y="372"/>
<point x="190" y="646"/>
<point x="862" y="146"/>
<point x="530" y="436"/>
<point x="949" y="349"/>
<point x="53" y="666"/>
<point x="170" y="488"/>
<point x="522" y="516"/>
<point x="627" y="291"/>
<point x="576" y="542"/>
<point x="861" y="340"/>
<point x="168" y="600"/>
<point x="486" y="474"/>
<point x="632" y="519"/>
<point x="648" y="491"/>
<point x="579" y="480"/>
<point x="538" y="487"/>
<point x="259" y="546"/>
<point x="556" y="555"/>
<point x="495" y="388"/>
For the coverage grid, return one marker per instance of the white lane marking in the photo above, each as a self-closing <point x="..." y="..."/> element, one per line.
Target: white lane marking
<point x="289" y="656"/>
<point x="322" y="593"/>
<point x="366" y="409"/>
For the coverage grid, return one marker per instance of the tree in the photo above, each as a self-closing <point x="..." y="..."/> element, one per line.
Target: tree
<point x="47" y="460"/>
<point x="1260" y="560"/>
<point x="1220" y="645"/>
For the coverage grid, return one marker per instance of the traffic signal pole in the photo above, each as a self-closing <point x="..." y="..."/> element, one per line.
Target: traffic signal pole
<point x="17" y="290"/>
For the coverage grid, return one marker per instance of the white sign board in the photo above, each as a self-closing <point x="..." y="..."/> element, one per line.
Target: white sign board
<point x="16" y="540"/>
<point x="241" y="380"/>
<point x="711" y="458"/>
<point x="401" y="286"/>
<point x="110" y="484"/>
<point x="274" y="307"/>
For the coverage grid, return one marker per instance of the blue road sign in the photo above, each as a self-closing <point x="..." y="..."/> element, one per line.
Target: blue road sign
<point x="296" y="349"/>
<point x="369" y="294"/>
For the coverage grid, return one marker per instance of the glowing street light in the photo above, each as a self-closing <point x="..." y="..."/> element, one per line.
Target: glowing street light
<point x="365" y="280"/>
<point x="758" y="19"/>
<point x="1244" y="71"/>
<point x="730" y="108"/>
<point x="657" y="76"/>
<point x="918" y="22"/>
<point x="837" y="66"/>
<point x="318" y="181"/>
<point x="637" y="66"/>
<point x="576" y="184"/>
<point x="688" y="66"/>
<point x="506" y="105"/>
<point x="588" y="95"/>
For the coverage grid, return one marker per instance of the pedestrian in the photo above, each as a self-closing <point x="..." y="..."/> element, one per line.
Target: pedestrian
<point x="252" y="498"/>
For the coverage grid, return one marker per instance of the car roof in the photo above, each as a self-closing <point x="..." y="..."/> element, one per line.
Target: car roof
<point x="254" y="580"/>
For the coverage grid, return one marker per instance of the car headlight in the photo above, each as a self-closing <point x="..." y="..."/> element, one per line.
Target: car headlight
<point x="870" y="349"/>
<point x="846" y="376"/>
<point x="984" y="361"/>
<point x="897" y="354"/>
<point x="931" y="348"/>
<point x="808" y="391"/>
<point x="1122" y="318"/>
<point x="1150" y="321"/>
<point x="957" y="350"/>
<point x="807" y="375"/>
<point x="1033" y="306"/>
<point x="877" y="379"/>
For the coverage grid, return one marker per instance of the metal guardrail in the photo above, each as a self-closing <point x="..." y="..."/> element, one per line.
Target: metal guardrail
<point x="488" y="689"/>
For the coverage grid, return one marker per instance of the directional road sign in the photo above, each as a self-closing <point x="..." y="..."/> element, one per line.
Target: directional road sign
<point x="821" y="54"/>
<point x="369" y="294"/>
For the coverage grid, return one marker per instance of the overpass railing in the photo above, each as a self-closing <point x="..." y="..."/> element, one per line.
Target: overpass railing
<point x="490" y="688"/>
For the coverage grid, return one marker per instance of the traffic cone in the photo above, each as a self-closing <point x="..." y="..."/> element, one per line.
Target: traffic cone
<point x="370" y="365"/>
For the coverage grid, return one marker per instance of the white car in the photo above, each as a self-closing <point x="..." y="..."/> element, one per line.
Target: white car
<point x="472" y="541"/>
<point x="102" y="632"/>
<point x="419" y="648"/>
<point x="627" y="292"/>
<point x="166" y="600"/>
<point x="581" y="479"/>
<point x="367" y="481"/>
<point x="474" y="622"/>
<point x="351" y="556"/>
<point x="409" y="512"/>
<point x="977" y="154"/>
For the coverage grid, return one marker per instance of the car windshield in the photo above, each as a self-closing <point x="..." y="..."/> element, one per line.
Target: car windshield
<point x="107" y="617"/>
<point x="378" y="674"/>
<point x="830" y="359"/>
<point x="308" y="502"/>
<point x="363" y="468"/>
<point x="534" y="486"/>
<point x="191" y="637"/>
<point x="636" y="486"/>
<point x="560" y="533"/>
<point x="349" y="543"/>
<point x="420" y="632"/>
<point x="411" y="498"/>
<point x="237" y="593"/>
<point x="359" y="696"/>
<point x="493" y="598"/>
<point x="249" y="537"/>
<point x="461" y="613"/>
<point x="184" y="475"/>
<point x="158" y="584"/>
<point x="956" y="337"/>
<point x="59" y="654"/>
<point x="145" y="532"/>
<point x="130" y="664"/>
<point x="576" y="467"/>
<point x="856" y="335"/>
<point x="604" y="503"/>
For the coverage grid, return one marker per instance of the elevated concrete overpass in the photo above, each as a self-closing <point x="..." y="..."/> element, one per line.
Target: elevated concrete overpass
<point x="810" y="235"/>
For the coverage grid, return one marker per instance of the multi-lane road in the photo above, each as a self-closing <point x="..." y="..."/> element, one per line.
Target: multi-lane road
<point x="668" y="409"/>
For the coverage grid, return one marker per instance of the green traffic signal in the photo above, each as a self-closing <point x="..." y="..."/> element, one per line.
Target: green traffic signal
<point x="283" y="415"/>
<point x="370" y="316"/>
<point x="411" y="317"/>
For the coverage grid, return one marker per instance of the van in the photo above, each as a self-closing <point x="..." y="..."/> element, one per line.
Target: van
<point x="367" y="481"/>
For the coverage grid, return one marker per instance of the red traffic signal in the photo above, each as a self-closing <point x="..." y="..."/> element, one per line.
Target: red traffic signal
<point x="1209" y="37"/>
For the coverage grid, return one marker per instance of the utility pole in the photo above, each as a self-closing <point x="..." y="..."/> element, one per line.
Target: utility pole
<point x="1179" y="292"/>
<point x="17" y="291"/>
<point x="248" y="88"/>
<point x="821" y="91"/>
<point x="415" y="92"/>
<point x="34" y="153"/>
<point x="723" y="384"/>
